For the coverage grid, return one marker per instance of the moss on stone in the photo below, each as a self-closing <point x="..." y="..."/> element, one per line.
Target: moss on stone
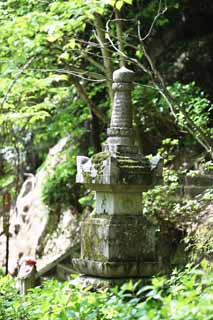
<point x="203" y="238"/>
<point x="98" y="159"/>
<point x="91" y="242"/>
<point x="132" y="168"/>
<point x="114" y="238"/>
<point x="133" y="164"/>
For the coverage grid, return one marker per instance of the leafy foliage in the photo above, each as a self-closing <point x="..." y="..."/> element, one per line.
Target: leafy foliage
<point x="59" y="190"/>
<point x="55" y="76"/>
<point x="166" y="202"/>
<point x="154" y="117"/>
<point x="57" y="59"/>
<point x="183" y="296"/>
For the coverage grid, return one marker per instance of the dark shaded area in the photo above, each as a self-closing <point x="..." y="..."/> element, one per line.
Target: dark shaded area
<point x="182" y="50"/>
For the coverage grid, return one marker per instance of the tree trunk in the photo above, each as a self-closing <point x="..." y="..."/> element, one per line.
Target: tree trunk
<point x="107" y="59"/>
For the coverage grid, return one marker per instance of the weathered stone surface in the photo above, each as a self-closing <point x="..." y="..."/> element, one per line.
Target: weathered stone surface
<point x="200" y="180"/>
<point x="120" y="162"/>
<point x="64" y="271"/>
<point x="201" y="233"/>
<point x="31" y="219"/>
<point x="124" y="269"/>
<point x="192" y="191"/>
<point x="123" y="75"/>
<point x="107" y="168"/>
<point x="97" y="283"/>
<point x="118" y="238"/>
<point x="122" y="110"/>
<point x="193" y="185"/>
<point x="117" y="241"/>
<point x="26" y="278"/>
<point x="118" y="203"/>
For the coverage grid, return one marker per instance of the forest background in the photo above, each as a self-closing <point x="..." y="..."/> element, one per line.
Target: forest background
<point x="56" y="63"/>
<point x="57" y="59"/>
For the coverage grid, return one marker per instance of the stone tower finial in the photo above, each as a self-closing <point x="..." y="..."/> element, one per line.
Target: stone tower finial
<point x="120" y="132"/>
<point x="123" y="75"/>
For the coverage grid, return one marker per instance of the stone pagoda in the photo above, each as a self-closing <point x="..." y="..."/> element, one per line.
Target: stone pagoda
<point x="117" y="241"/>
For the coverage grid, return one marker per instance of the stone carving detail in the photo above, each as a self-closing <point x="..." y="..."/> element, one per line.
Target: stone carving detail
<point x="26" y="278"/>
<point x="117" y="240"/>
<point x="121" y="121"/>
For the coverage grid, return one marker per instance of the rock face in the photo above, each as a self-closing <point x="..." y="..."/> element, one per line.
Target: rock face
<point x="201" y="232"/>
<point x="31" y="219"/>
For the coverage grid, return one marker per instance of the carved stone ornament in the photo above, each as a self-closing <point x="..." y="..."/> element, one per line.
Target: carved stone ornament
<point x="117" y="240"/>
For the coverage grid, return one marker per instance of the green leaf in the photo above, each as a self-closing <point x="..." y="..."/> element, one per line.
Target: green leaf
<point x="119" y="4"/>
<point x="64" y="56"/>
<point x="128" y="1"/>
<point x="139" y="54"/>
<point x="53" y="37"/>
<point x="112" y="2"/>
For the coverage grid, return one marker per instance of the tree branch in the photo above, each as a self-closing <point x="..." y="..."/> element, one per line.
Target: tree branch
<point x="84" y="96"/>
<point x="94" y="62"/>
<point x="105" y="53"/>
<point x="133" y="60"/>
<point x="160" y="12"/>
<point x="119" y="31"/>
<point x="196" y="131"/>
<point x="12" y="83"/>
<point x="75" y="74"/>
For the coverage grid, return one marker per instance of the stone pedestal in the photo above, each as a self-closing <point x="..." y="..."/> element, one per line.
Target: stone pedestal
<point x="117" y="246"/>
<point x="117" y="241"/>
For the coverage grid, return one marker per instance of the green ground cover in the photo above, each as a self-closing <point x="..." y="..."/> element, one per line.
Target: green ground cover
<point x="184" y="295"/>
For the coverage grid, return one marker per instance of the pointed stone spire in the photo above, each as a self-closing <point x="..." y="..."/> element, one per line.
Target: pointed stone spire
<point x="120" y="132"/>
<point x="117" y="240"/>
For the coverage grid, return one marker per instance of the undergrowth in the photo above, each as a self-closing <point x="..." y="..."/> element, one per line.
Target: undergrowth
<point x="185" y="295"/>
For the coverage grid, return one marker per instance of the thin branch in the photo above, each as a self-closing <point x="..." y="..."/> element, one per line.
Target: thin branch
<point x="90" y="43"/>
<point x="84" y="96"/>
<point x="196" y="131"/>
<point x="73" y="73"/>
<point x="160" y="12"/>
<point x="156" y="73"/>
<point x="191" y="127"/>
<point x="106" y="45"/>
<point x="83" y="72"/>
<point x="133" y="60"/>
<point x="83" y="54"/>
<point x="94" y="62"/>
<point x="12" y="83"/>
<point x="84" y="78"/>
<point x="166" y="99"/>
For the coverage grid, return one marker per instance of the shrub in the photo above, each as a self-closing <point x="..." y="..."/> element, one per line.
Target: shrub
<point x="184" y="295"/>
<point x="59" y="190"/>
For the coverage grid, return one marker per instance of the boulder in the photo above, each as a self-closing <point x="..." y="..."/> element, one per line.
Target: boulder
<point x="31" y="220"/>
<point x="201" y="234"/>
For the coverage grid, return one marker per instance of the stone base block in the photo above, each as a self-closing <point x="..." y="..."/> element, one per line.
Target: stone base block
<point x="192" y="191"/>
<point x="123" y="269"/>
<point x="97" y="283"/>
<point x="118" y="238"/>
